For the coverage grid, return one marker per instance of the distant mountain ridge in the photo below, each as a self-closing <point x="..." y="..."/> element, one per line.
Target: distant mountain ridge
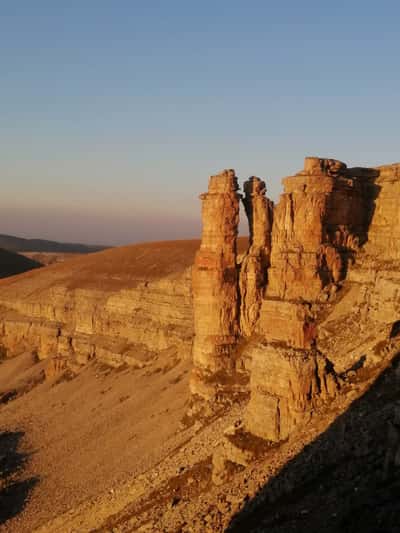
<point x="19" y="244"/>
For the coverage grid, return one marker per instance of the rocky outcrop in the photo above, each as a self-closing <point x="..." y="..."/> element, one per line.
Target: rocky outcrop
<point x="226" y="303"/>
<point x="215" y="288"/>
<point x="330" y="314"/>
<point x="357" y="327"/>
<point x="254" y="266"/>
<point x="299" y="255"/>
<point x="319" y="223"/>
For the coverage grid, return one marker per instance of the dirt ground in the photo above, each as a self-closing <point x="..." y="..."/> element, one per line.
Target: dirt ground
<point x="83" y="436"/>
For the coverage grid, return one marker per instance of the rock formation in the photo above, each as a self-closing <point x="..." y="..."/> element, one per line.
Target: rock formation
<point x="298" y="256"/>
<point x="296" y="355"/>
<point x="318" y="225"/>
<point x="254" y="267"/>
<point x="215" y="287"/>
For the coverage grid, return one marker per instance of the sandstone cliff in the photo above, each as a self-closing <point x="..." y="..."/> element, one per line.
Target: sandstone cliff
<point x="121" y="306"/>
<point x="215" y="280"/>
<point x="319" y="296"/>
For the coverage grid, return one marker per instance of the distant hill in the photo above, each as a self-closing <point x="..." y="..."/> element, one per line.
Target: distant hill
<point x="18" y="244"/>
<point x="115" y="268"/>
<point x="12" y="263"/>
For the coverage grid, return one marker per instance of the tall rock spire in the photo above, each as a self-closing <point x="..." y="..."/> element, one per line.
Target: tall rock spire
<point x="253" y="272"/>
<point x="215" y="287"/>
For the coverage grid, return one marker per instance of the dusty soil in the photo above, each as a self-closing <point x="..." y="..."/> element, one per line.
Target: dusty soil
<point x="88" y="434"/>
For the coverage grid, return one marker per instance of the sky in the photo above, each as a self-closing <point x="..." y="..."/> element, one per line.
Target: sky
<point x="114" y="113"/>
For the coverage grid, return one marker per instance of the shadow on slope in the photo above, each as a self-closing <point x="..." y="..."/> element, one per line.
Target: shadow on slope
<point x="14" y="492"/>
<point x="12" y="263"/>
<point x="346" y="480"/>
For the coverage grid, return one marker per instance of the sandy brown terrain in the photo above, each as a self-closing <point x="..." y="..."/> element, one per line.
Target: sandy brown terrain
<point x="49" y="258"/>
<point x="116" y="267"/>
<point x="84" y="435"/>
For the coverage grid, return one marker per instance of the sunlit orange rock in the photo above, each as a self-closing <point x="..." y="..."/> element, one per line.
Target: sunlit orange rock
<point x="254" y="266"/>
<point x="215" y="286"/>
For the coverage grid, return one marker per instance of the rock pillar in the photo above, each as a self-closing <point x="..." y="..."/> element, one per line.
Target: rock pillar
<point x="215" y="287"/>
<point x="254" y="267"/>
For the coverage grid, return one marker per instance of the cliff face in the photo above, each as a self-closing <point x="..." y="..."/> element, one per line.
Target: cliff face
<point x="101" y="307"/>
<point x="318" y="290"/>
<point x="315" y="294"/>
<point x="319" y="223"/>
<point x="366" y="317"/>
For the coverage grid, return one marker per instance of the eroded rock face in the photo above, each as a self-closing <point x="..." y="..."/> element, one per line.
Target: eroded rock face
<point x="298" y="257"/>
<point x="254" y="267"/>
<point x="286" y="384"/>
<point x="365" y="317"/>
<point x="215" y="287"/>
<point x="319" y="224"/>
<point x="226" y="303"/>
<point x="59" y="312"/>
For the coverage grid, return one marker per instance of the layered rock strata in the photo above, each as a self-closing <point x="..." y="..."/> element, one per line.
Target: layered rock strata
<point x="99" y="307"/>
<point x="298" y="257"/>
<point x="215" y="288"/>
<point x="318" y="226"/>
<point x="366" y="317"/>
<point x="254" y="266"/>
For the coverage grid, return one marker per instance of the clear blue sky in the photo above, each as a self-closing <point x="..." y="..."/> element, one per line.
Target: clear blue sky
<point x="113" y="113"/>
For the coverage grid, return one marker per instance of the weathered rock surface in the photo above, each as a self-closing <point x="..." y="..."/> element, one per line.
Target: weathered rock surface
<point x="364" y="317"/>
<point x="299" y="256"/>
<point x="121" y="306"/>
<point x="215" y="287"/>
<point x="319" y="224"/>
<point x="254" y="266"/>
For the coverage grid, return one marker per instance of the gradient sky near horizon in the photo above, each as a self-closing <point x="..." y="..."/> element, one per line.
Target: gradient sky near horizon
<point x="114" y="113"/>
